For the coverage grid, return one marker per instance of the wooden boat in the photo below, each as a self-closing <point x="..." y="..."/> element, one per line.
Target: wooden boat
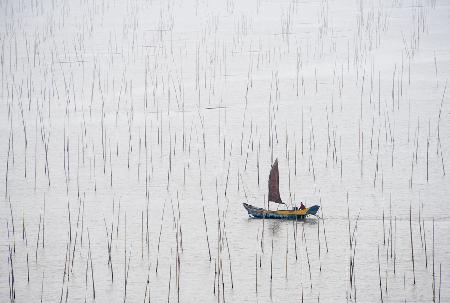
<point x="274" y="196"/>
<point x="293" y="214"/>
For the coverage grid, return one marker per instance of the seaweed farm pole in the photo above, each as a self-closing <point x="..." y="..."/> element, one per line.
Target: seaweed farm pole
<point x="159" y="238"/>
<point x="39" y="232"/>
<point x="395" y="241"/>
<point x="256" y="273"/>
<point x="109" y="242"/>
<point x="318" y="239"/>
<point x="384" y="232"/>
<point x="170" y="278"/>
<point x="203" y="206"/>
<point x="28" y="270"/>
<point x="11" y="279"/>
<point x="323" y="223"/>
<point x="147" y="287"/>
<point x="287" y="250"/>
<point x="43" y="226"/>
<point x="271" y="269"/>
<point x="412" y="246"/>
<point x="206" y="229"/>
<point x="215" y="276"/>
<point x="92" y="268"/>
<point x="302" y="130"/>
<point x="12" y="224"/>
<point x="390" y="223"/>
<point x="147" y="234"/>
<point x="434" y="278"/>
<point x="42" y="285"/>
<point x="125" y="273"/>
<point x="379" y="274"/>
<point x="440" y="281"/>
<point x="307" y="254"/>
<point x="66" y="270"/>
<point x="294" y="232"/>
<point x="420" y="227"/>
<point x="229" y="259"/>
<point x="262" y="232"/>
<point x="428" y="147"/>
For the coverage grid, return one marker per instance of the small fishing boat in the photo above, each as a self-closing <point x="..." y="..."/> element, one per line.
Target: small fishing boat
<point x="286" y="214"/>
<point x="274" y="196"/>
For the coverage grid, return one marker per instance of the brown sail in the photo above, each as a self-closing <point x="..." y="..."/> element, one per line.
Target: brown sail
<point x="274" y="183"/>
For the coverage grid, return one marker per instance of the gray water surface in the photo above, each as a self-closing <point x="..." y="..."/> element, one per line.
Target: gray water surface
<point x="133" y="131"/>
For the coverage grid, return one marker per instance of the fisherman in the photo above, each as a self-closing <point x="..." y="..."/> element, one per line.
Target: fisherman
<point x="302" y="206"/>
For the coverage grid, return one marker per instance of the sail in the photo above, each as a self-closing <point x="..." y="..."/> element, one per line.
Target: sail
<point x="274" y="183"/>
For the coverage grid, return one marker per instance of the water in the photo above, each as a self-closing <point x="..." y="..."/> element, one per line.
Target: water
<point x="123" y="115"/>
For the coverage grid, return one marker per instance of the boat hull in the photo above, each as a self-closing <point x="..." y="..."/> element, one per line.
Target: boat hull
<point x="296" y="214"/>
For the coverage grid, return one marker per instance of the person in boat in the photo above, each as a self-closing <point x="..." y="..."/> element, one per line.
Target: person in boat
<point x="302" y="206"/>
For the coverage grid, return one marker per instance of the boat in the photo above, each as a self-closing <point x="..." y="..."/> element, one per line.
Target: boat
<point x="274" y="196"/>
<point x="286" y="214"/>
